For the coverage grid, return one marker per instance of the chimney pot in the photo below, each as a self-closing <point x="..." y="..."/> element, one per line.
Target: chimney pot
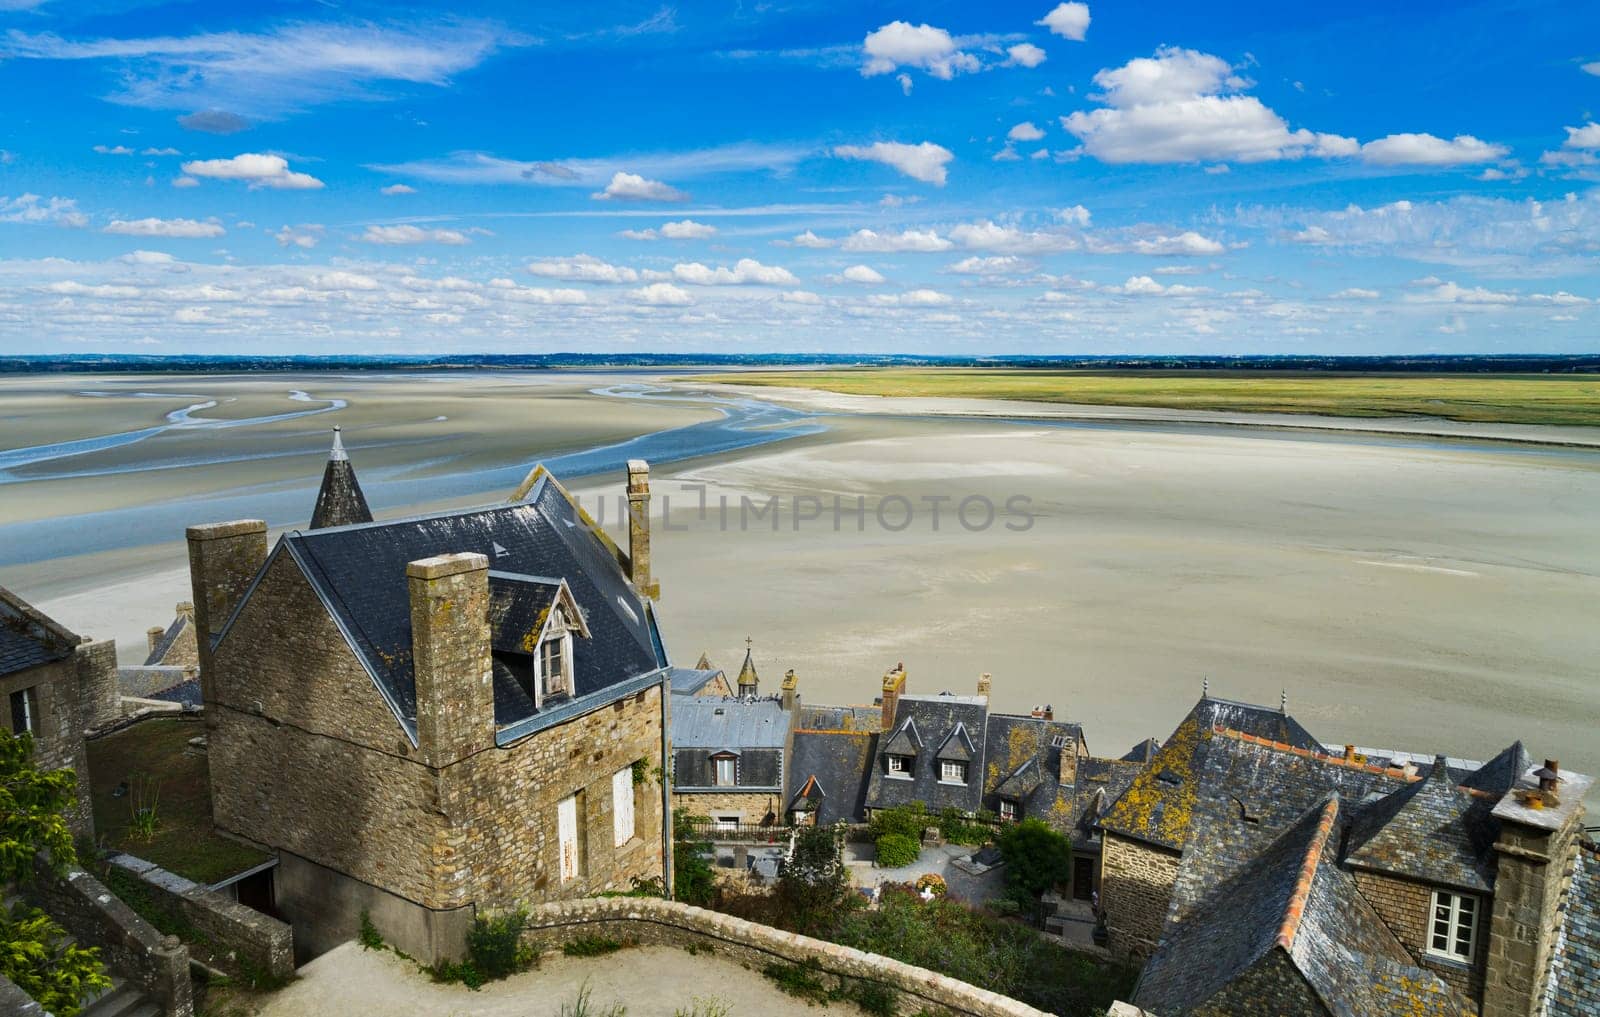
<point x="1349" y="753"/>
<point x="985" y="683"/>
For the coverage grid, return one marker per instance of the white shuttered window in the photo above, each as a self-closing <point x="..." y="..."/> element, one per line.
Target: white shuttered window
<point x="622" y="806"/>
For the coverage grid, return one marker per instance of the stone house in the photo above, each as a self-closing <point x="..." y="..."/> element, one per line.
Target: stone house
<point x="55" y="685"/>
<point x="729" y="753"/>
<point x="170" y="674"/>
<point x="433" y="717"/>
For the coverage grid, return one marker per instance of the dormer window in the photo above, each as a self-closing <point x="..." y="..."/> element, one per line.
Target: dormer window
<point x="554" y="659"/>
<point x="952" y="772"/>
<point x="900" y="766"/>
<point x="1008" y="810"/>
<point x="724" y="771"/>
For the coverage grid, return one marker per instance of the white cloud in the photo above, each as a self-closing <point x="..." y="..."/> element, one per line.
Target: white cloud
<point x="113" y="149"/>
<point x="1560" y="299"/>
<point x="185" y="182"/>
<point x="1355" y="293"/>
<point x="1427" y="150"/>
<point x="256" y="169"/>
<point x="509" y="290"/>
<point x="583" y="268"/>
<point x="482" y="168"/>
<point x="1076" y="215"/>
<point x="1026" y="54"/>
<point x="298" y="65"/>
<point x="925" y="161"/>
<point x="995" y="265"/>
<point x="905" y="83"/>
<point x="901" y="44"/>
<point x="685" y="229"/>
<point x="1186" y="244"/>
<point x="1068" y="20"/>
<point x="1450" y="293"/>
<point x="872" y="242"/>
<point x="304" y="237"/>
<point x="161" y="151"/>
<point x="407" y="234"/>
<point x="912" y="298"/>
<point x="662" y="295"/>
<point x="394" y="189"/>
<point x="990" y="236"/>
<point x="1139" y="285"/>
<point x="147" y="258"/>
<point x="862" y="274"/>
<point x="179" y="229"/>
<point x="810" y="239"/>
<point x="1007" y="154"/>
<point x="1587" y="136"/>
<point x="800" y="297"/>
<point x="633" y="187"/>
<point x="1592" y="68"/>
<point x="31" y="208"/>
<point x="1025" y="131"/>
<point x="746" y="271"/>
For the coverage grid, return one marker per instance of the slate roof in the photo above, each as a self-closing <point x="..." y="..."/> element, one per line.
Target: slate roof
<point x="838" y="718"/>
<point x="1159" y="803"/>
<point x="1022" y="762"/>
<point x="169" y="637"/>
<point x="339" y="501"/>
<point x="185" y="692"/>
<point x="27" y="638"/>
<point x="921" y="725"/>
<point x="714" y="722"/>
<point x="688" y="681"/>
<point x="832" y="768"/>
<point x="1289" y="903"/>
<point x="359" y="573"/>
<point x="1431" y="831"/>
<point x="1574" y="986"/>
<point x="1499" y="775"/>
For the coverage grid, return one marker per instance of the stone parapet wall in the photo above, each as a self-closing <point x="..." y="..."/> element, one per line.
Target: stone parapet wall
<point x="668" y="923"/>
<point x="129" y="945"/>
<point x="248" y="942"/>
<point x="1136" y="881"/>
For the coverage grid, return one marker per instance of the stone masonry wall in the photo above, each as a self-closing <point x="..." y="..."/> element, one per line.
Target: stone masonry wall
<point x="1534" y="869"/>
<point x="1404" y="906"/>
<point x="58" y="743"/>
<point x="507" y="798"/>
<point x="751" y="808"/>
<point x="98" y="698"/>
<point x="1136" y="881"/>
<point x="247" y="941"/>
<point x="667" y="923"/>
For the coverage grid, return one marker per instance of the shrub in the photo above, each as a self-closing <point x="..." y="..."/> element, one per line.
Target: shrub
<point x="583" y="1006"/>
<point x="368" y="936"/>
<point x="693" y="881"/>
<point x="875" y="999"/>
<point x="959" y="828"/>
<point x="804" y="981"/>
<point x="906" y="820"/>
<point x="896" y="850"/>
<point x="592" y="946"/>
<point x="458" y="973"/>
<point x="813" y="891"/>
<point x="1037" y="859"/>
<point x="495" y="947"/>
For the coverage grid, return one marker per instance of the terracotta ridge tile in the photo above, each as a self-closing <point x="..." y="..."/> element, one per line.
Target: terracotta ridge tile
<point x="1308" y="872"/>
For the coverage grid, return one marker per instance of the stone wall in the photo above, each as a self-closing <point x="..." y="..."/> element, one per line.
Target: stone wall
<point x="750" y="807"/>
<point x="16" y="1003"/>
<point x="1136" y="881"/>
<point x="1404" y="906"/>
<point x="157" y="964"/>
<point x="325" y="908"/>
<point x="1533" y="873"/>
<point x="58" y="743"/>
<point x="97" y="682"/>
<point x="247" y="942"/>
<point x="667" y="923"/>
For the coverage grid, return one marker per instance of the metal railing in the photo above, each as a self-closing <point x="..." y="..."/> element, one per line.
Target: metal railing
<point x="762" y="833"/>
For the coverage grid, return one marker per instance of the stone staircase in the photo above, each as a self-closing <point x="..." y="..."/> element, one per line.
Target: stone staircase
<point x="123" y="999"/>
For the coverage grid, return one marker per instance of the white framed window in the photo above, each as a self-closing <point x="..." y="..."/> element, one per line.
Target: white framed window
<point x="553" y="662"/>
<point x="1008" y="809"/>
<point x="1452" y="931"/>
<point x="622" y="806"/>
<point x="952" y="771"/>
<point x="900" y="765"/>
<point x="726" y="771"/>
<point x="25" y="711"/>
<point x="567" y="834"/>
<point x="725" y="822"/>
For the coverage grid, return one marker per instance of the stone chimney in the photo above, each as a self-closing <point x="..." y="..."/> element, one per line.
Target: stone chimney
<point x="152" y="637"/>
<point x="1539" y="833"/>
<point x="791" y="690"/>
<point x="1067" y="766"/>
<point x="1046" y="712"/>
<point x="99" y="695"/>
<point x="223" y="561"/>
<point x="985" y="683"/>
<point x="1349" y="753"/>
<point x="451" y="656"/>
<point x="639" y="529"/>
<point x="894" y="686"/>
<point x="185" y="610"/>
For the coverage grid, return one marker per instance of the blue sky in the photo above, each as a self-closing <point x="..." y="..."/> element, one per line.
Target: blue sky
<point x="323" y="177"/>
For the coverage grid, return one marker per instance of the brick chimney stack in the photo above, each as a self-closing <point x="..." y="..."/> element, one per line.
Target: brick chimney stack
<point x="223" y="561"/>
<point x="1046" y="712"/>
<point x="894" y="686"/>
<point x="639" y="529"/>
<point x="451" y="656"/>
<point x="985" y="683"/>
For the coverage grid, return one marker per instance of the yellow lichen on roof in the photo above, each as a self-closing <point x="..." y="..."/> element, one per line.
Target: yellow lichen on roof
<point x="1156" y="809"/>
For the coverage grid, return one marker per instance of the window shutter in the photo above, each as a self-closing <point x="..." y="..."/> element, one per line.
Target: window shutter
<point x="567" y="832"/>
<point x="622" y="806"/>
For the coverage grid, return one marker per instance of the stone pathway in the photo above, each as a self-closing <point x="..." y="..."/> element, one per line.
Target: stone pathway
<point x="970" y="889"/>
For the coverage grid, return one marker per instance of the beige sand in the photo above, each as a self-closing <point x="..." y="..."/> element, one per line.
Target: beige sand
<point x="650" y="981"/>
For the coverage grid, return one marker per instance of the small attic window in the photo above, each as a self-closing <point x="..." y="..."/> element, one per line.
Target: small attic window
<point x="1168" y="777"/>
<point x="1058" y="742"/>
<point x="553" y="662"/>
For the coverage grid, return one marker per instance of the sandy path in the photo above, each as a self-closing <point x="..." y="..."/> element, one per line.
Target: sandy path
<point x="650" y="981"/>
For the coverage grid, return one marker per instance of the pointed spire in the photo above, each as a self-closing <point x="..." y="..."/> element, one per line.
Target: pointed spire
<point x="340" y="501"/>
<point x="749" y="682"/>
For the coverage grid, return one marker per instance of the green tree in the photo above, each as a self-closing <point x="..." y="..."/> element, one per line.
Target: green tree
<point x="693" y="881"/>
<point x="814" y="888"/>
<point x="1037" y="859"/>
<point x="35" y="952"/>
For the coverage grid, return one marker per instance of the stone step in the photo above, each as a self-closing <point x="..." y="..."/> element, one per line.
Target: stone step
<point x="121" y="1000"/>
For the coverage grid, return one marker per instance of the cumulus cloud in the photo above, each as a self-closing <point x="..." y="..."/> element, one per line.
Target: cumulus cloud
<point x="1068" y="20"/>
<point x="913" y="298"/>
<point x="1450" y="293"/>
<point x="800" y="297"/>
<point x="1427" y="150"/>
<point x="746" y="271"/>
<point x="1355" y="293"/>
<point x="1025" y="54"/>
<point x="185" y="182"/>
<point x="1025" y="131"/>
<point x="1587" y="136"/>
<point x="142" y="257"/>
<point x="113" y="149"/>
<point x="685" y="229"/>
<point x="1076" y="215"/>
<point x="995" y="265"/>
<point x="506" y="289"/>
<point x="633" y="187"/>
<point x="872" y="242"/>
<point x="862" y="274"/>
<point x="662" y="295"/>
<point x="901" y="44"/>
<point x="810" y="239"/>
<point x="256" y="169"/>
<point x="991" y="236"/>
<point x="31" y="208"/>
<point x="304" y="237"/>
<point x="394" y="189"/>
<point x="177" y="229"/>
<point x="1186" y="244"/>
<point x="161" y="151"/>
<point x="407" y="234"/>
<point x="1592" y="68"/>
<point x="925" y="161"/>
<point x="583" y="268"/>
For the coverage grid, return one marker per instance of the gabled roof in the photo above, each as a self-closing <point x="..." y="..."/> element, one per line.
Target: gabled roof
<point x="926" y="722"/>
<point x="174" y="632"/>
<point x="1021" y="782"/>
<point x="339" y="501"/>
<point x="359" y="573"/>
<point x="690" y="681"/>
<point x="1499" y="775"/>
<point x="1290" y="904"/>
<point x="29" y="638"/>
<point x="520" y="606"/>
<point x="1431" y="831"/>
<point x="905" y="741"/>
<point x="1574" y="986"/>
<point x="713" y="722"/>
<point x="957" y="746"/>
<point x="831" y="768"/>
<point x="1143" y="752"/>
